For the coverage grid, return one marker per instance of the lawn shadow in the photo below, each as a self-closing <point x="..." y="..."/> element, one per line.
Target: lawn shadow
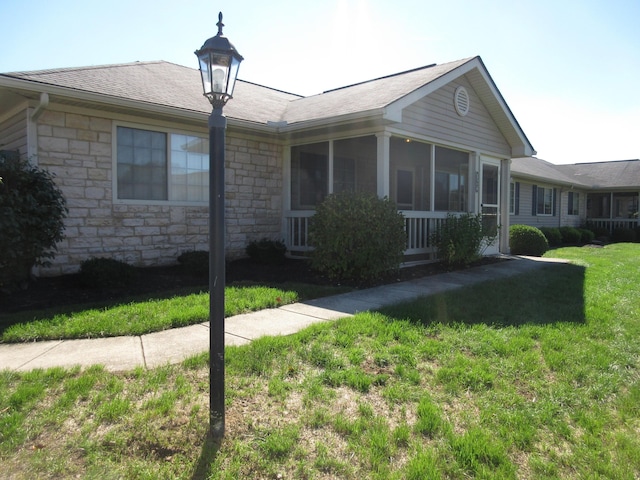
<point x="210" y="448"/>
<point x="550" y="294"/>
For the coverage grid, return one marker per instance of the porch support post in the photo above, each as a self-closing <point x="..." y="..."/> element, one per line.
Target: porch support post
<point x="475" y="192"/>
<point x="383" y="164"/>
<point x="503" y="221"/>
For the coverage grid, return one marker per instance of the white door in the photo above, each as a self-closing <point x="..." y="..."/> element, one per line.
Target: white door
<point x="490" y="203"/>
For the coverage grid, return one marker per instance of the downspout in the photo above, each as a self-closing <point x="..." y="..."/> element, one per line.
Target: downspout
<point x="32" y="130"/>
<point x="44" y="103"/>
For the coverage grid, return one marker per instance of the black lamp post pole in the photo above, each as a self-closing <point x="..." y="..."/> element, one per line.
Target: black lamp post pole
<point x="217" y="127"/>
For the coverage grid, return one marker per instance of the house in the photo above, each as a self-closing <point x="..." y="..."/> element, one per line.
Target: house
<point x="128" y="144"/>
<point x="602" y="195"/>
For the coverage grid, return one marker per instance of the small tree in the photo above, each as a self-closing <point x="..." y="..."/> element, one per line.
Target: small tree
<point x="32" y="212"/>
<point x="357" y="237"/>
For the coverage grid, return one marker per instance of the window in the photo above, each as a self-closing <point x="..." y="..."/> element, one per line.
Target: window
<point x="452" y="171"/>
<point x="161" y="166"/>
<point x="573" y="204"/>
<point x="544" y="201"/>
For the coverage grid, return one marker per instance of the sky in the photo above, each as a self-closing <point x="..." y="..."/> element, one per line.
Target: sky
<point x="568" y="69"/>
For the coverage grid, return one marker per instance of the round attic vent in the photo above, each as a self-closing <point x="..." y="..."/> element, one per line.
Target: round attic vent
<point x="461" y="101"/>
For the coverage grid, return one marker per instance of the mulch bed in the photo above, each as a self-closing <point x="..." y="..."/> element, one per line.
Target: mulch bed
<point x="50" y="292"/>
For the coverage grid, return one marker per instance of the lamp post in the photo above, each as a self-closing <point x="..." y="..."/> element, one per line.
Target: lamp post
<point x="219" y="63"/>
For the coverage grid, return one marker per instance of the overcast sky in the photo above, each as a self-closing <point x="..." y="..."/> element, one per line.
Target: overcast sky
<point x="568" y="69"/>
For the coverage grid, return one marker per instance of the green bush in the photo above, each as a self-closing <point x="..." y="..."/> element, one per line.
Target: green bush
<point x="526" y="240"/>
<point x="459" y="239"/>
<point x="195" y="262"/>
<point x="553" y="235"/>
<point x="105" y="273"/>
<point x="32" y="213"/>
<point x="586" y="235"/>
<point x="265" y="251"/>
<point x="624" y="235"/>
<point x="570" y="235"/>
<point x="357" y="237"/>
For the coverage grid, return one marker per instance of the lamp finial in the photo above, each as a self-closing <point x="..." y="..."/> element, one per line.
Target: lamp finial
<point x="220" y="24"/>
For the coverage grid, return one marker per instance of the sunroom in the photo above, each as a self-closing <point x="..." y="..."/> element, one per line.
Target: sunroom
<point x="425" y="180"/>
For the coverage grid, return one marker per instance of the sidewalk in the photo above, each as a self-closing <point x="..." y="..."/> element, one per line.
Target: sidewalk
<point x="173" y="346"/>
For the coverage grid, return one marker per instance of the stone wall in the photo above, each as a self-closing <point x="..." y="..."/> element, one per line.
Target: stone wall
<point x="77" y="148"/>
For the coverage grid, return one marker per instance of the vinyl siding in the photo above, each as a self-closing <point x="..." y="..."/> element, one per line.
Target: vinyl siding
<point x="13" y="133"/>
<point x="435" y="117"/>
<point x="561" y="218"/>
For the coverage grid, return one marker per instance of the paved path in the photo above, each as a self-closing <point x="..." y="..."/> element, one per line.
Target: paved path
<point x="173" y="346"/>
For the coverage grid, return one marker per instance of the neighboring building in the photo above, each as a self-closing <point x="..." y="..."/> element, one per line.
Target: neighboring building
<point x="129" y="147"/>
<point x="603" y="195"/>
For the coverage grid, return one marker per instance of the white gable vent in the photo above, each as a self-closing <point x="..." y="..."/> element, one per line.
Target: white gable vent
<point x="461" y="101"/>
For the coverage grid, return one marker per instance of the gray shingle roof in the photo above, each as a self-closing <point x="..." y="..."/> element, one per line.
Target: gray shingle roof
<point x="168" y="84"/>
<point x="622" y="174"/>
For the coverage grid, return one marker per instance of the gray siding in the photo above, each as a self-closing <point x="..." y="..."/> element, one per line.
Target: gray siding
<point x="13" y="133"/>
<point x="560" y="219"/>
<point x="435" y="117"/>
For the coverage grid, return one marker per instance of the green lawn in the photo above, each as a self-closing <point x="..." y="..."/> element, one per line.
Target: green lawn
<point x="534" y="377"/>
<point x="137" y="317"/>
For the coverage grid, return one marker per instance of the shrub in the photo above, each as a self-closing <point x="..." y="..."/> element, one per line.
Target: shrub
<point x="265" y="251"/>
<point x="106" y="272"/>
<point x="570" y="235"/>
<point x="32" y="213"/>
<point x="356" y="237"/>
<point x="586" y="235"/>
<point x="553" y="235"/>
<point x="526" y="240"/>
<point x="195" y="262"/>
<point x="459" y="240"/>
<point x="626" y="235"/>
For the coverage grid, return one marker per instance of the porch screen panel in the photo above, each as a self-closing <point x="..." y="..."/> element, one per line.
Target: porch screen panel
<point x="410" y="164"/>
<point x="355" y="164"/>
<point x="451" y="182"/>
<point x="142" y="164"/>
<point x="309" y="175"/>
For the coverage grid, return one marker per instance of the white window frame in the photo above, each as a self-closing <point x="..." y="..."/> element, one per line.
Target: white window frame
<point x="151" y="128"/>
<point x="544" y="188"/>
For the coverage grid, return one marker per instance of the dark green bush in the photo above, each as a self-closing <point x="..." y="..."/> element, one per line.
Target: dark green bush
<point x="526" y="240"/>
<point x="265" y="251"/>
<point x="586" y="235"/>
<point x="357" y="237"/>
<point x="105" y="273"/>
<point x="570" y="235"/>
<point x="459" y="240"/>
<point x="553" y="235"/>
<point x="195" y="262"/>
<point x="32" y="213"/>
<point x="624" y="235"/>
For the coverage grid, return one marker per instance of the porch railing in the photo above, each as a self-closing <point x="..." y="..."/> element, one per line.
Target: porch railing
<point x="612" y="224"/>
<point x="420" y="226"/>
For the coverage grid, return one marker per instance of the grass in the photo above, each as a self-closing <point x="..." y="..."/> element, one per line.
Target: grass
<point x="535" y="377"/>
<point x="137" y="317"/>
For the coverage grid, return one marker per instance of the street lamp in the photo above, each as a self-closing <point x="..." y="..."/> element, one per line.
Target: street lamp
<point x="219" y="63"/>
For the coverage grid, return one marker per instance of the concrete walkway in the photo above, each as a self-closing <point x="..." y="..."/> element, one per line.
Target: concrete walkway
<point x="173" y="346"/>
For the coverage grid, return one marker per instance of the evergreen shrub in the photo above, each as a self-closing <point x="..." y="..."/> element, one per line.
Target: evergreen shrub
<point x="32" y="213"/>
<point x="266" y="251"/>
<point x="570" y="235"/>
<point x="527" y="240"/>
<point x="357" y="237"/>
<point x="106" y="273"/>
<point x="195" y="262"/>
<point x="553" y="235"/>
<point x="460" y="238"/>
<point x="586" y="235"/>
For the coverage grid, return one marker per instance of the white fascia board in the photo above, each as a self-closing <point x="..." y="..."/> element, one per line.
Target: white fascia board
<point x="331" y="121"/>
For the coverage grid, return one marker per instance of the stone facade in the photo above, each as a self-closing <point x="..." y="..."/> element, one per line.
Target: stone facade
<point x="78" y="150"/>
